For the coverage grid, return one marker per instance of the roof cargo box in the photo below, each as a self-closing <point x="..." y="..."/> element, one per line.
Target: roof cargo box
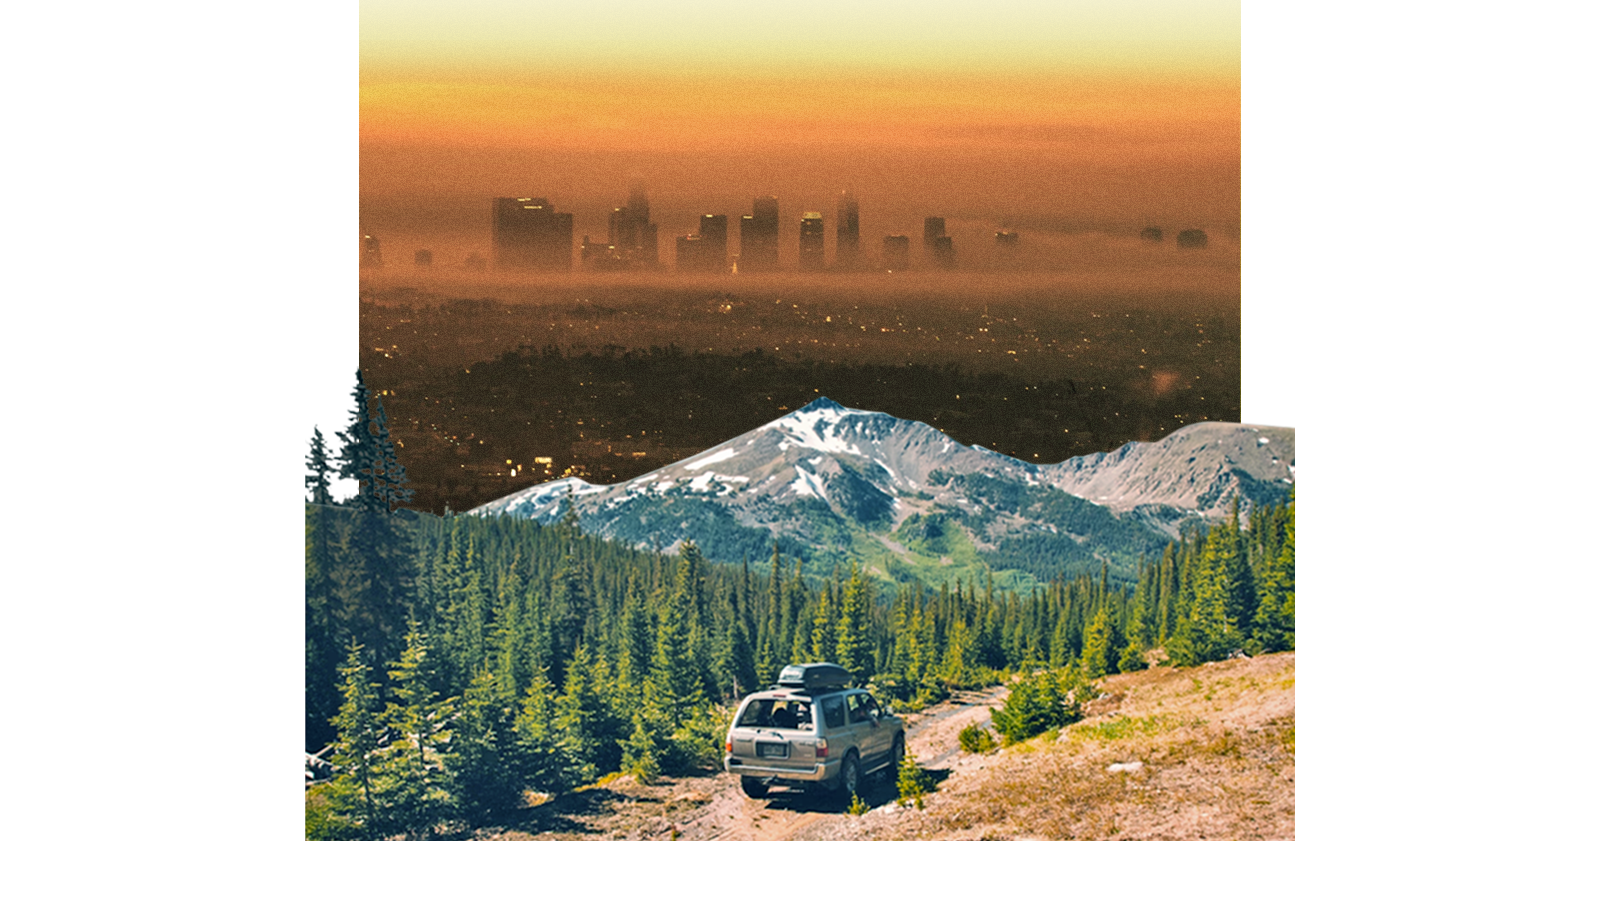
<point x="814" y="677"/>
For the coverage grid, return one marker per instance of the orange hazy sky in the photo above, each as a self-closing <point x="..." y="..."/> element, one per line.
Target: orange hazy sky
<point x="1062" y="116"/>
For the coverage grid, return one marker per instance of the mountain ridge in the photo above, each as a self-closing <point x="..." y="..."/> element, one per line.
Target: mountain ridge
<point x="826" y="481"/>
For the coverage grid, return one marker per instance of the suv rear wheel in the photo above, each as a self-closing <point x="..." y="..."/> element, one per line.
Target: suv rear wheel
<point x="753" y="787"/>
<point x="850" y="775"/>
<point x="896" y="754"/>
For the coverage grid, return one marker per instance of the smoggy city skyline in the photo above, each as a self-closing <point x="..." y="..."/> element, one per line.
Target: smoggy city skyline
<point x="1089" y="119"/>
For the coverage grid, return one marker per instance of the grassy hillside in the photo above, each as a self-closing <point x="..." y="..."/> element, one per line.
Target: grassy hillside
<point x="1205" y="753"/>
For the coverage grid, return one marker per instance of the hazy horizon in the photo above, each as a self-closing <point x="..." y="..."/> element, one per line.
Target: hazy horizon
<point x="1071" y="118"/>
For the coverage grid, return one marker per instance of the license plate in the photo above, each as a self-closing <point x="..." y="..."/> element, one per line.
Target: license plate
<point x="769" y="751"/>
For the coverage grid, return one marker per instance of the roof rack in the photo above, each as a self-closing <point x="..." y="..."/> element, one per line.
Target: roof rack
<point x="813" y="677"/>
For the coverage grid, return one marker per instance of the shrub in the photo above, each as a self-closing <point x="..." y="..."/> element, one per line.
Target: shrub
<point x="322" y="822"/>
<point x="857" y="808"/>
<point x="1034" y="707"/>
<point x="976" y="739"/>
<point x="699" y="740"/>
<point x="914" y="782"/>
<point x="640" y="756"/>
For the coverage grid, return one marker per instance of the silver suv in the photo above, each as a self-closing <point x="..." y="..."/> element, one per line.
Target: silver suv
<point x="812" y="730"/>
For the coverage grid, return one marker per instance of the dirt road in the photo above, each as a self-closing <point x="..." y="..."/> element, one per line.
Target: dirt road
<point x="931" y="736"/>
<point x="713" y="808"/>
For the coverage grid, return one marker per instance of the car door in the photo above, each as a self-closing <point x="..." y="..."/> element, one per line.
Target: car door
<point x="864" y="729"/>
<point x="882" y="734"/>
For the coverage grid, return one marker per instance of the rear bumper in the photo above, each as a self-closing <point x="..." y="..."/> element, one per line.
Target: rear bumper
<point x="824" y="771"/>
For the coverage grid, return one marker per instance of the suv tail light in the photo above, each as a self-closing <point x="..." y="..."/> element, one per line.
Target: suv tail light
<point x="822" y="748"/>
<point x="730" y="746"/>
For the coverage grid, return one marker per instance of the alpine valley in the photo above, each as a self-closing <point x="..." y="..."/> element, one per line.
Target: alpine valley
<point x="828" y="484"/>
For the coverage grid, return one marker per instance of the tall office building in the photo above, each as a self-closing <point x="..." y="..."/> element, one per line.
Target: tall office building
<point x="594" y="256"/>
<point x="758" y="237"/>
<point x="371" y="254"/>
<point x="811" y="247"/>
<point x="632" y="234"/>
<point x="1007" y="249"/>
<point x="691" y="253"/>
<point x="423" y="259"/>
<point x="707" y="251"/>
<point x="896" y="252"/>
<point x="944" y="252"/>
<point x="932" y="230"/>
<point x="714" y="233"/>
<point x="847" y="233"/>
<point x="530" y="234"/>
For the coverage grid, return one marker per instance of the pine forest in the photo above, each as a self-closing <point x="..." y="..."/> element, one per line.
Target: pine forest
<point x="455" y="663"/>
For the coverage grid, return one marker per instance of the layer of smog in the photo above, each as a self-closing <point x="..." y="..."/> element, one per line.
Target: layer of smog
<point x="495" y="381"/>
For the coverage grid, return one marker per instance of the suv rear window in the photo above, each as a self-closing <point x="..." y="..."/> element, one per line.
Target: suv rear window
<point x="791" y="713"/>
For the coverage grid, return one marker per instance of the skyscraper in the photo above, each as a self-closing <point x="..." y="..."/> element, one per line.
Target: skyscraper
<point x="371" y="255"/>
<point x="707" y="251"/>
<point x="932" y="230"/>
<point x="632" y="234"/>
<point x="847" y="232"/>
<point x="691" y="255"/>
<point x="594" y="256"/>
<point x="944" y="252"/>
<point x="714" y="232"/>
<point x="896" y="252"/>
<point x="530" y="234"/>
<point x="811" y="247"/>
<point x="758" y="237"/>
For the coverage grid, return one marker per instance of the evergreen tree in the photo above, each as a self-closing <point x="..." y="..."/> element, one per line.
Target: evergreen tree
<point x="1034" y="706"/>
<point x="360" y="456"/>
<point x="466" y="606"/>
<point x="1273" y="625"/>
<point x="390" y="490"/>
<point x="957" y="653"/>
<point x="318" y="471"/>
<point x="913" y="781"/>
<point x="547" y="758"/>
<point x="1206" y="633"/>
<point x="416" y="796"/>
<point x="482" y="761"/>
<point x="1096" y="646"/>
<point x="824" y="634"/>
<point x="512" y="637"/>
<point x="738" y="660"/>
<point x="586" y="712"/>
<point x="637" y="640"/>
<point x="355" y="755"/>
<point x="1132" y="657"/>
<point x="854" y="650"/>
<point x="1232" y="570"/>
<point x="571" y="605"/>
<point x="675" y="682"/>
<point x="641" y="753"/>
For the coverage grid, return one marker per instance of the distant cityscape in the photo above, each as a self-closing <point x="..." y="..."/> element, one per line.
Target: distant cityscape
<point x="527" y="234"/>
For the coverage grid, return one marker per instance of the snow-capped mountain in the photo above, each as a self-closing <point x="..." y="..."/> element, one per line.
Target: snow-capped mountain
<point x="828" y="483"/>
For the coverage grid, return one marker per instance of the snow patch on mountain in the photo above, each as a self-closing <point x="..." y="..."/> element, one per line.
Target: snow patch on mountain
<point x="719" y="456"/>
<point x="816" y="426"/>
<point x="808" y="484"/>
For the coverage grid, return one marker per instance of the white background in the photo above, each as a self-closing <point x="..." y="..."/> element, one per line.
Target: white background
<point x="1417" y="299"/>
